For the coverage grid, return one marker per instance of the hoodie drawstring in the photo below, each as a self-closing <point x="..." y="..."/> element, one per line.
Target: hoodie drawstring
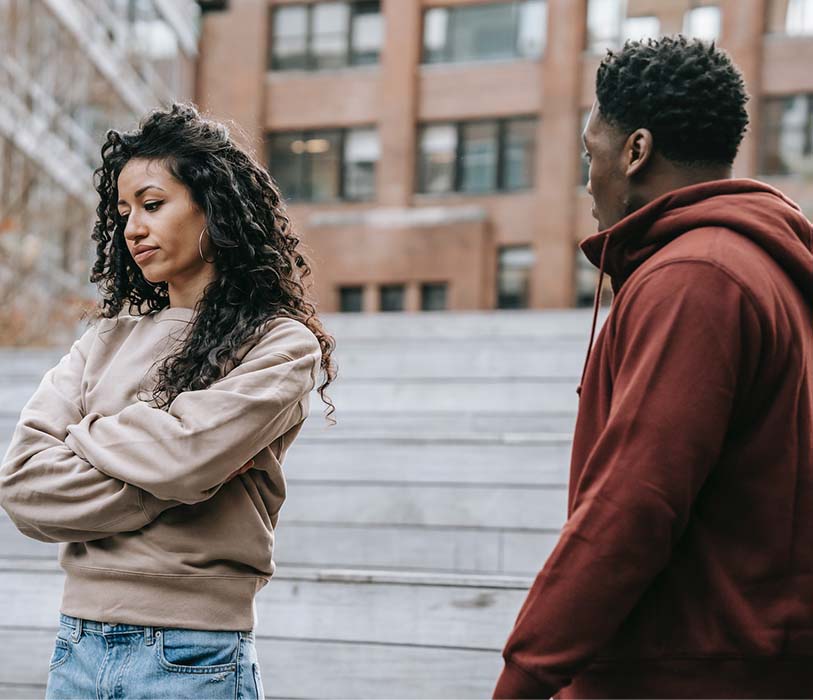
<point x="596" y="303"/>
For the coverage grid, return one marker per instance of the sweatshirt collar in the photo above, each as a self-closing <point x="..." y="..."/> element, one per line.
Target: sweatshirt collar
<point x="175" y="313"/>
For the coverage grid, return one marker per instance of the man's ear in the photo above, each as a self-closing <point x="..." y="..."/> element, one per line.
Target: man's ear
<point x="638" y="150"/>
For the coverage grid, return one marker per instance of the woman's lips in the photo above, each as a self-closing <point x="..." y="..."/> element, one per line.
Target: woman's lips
<point x="144" y="255"/>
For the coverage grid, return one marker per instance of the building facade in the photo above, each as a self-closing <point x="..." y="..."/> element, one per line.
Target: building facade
<point x="70" y="70"/>
<point x="430" y="150"/>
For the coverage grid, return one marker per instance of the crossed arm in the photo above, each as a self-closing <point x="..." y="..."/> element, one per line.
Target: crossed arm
<point x="74" y="477"/>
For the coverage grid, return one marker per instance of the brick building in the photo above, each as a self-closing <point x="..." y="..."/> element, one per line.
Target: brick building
<point x="430" y="149"/>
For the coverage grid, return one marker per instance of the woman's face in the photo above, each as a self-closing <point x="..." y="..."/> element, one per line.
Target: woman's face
<point x="163" y="229"/>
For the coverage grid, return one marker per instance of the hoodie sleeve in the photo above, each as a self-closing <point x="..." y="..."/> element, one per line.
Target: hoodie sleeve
<point x="683" y="342"/>
<point x="189" y="451"/>
<point x="49" y="492"/>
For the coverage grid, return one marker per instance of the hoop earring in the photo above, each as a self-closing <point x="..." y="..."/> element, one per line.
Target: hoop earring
<point x="200" y="247"/>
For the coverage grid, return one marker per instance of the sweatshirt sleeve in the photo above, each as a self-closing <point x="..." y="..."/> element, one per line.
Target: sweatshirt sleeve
<point x="49" y="492"/>
<point x="187" y="452"/>
<point x="683" y="342"/>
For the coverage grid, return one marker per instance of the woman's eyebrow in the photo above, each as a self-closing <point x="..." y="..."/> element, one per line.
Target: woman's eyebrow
<point x="141" y="191"/>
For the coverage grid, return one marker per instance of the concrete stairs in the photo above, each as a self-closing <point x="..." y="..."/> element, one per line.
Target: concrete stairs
<point x="412" y="528"/>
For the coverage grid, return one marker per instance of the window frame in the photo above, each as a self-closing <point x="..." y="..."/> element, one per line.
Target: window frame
<point x="402" y="290"/>
<point x="453" y="11"/>
<point x="310" y="56"/>
<point x="305" y="169"/>
<point x="341" y="289"/>
<point x="503" y="125"/>
<point x="775" y="129"/>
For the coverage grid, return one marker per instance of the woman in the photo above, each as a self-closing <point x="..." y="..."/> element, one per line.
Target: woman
<point x="153" y="449"/>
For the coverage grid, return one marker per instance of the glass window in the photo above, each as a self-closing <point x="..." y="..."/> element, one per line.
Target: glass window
<point x="322" y="157"/>
<point x="326" y="35"/>
<point x="435" y="27"/>
<point x="433" y="296"/>
<point x="586" y="281"/>
<point x="483" y="32"/>
<point x="478" y="167"/>
<point x="533" y="28"/>
<point x="639" y="28"/>
<point x="351" y="299"/>
<point x="392" y="297"/>
<point x="799" y="17"/>
<point x="438" y="146"/>
<point x="481" y="156"/>
<point x="289" y="42"/>
<point x="367" y="32"/>
<point x="519" y="154"/>
<point x="514" y="277"/>
<point x="361" y="151"/>
<point x="787" y="136"/>
<point x="312" y="165"/>
<point x="331" y="22"/>
<point x="287" y="164"/>
<point x="703" y="23"/>
<point x="604" y="24"/>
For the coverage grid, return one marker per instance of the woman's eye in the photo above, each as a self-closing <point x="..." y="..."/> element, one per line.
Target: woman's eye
<point x="152" y="206"/>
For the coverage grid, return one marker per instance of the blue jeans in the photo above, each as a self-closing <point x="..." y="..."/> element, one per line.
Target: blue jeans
<point x="96" y="660"/>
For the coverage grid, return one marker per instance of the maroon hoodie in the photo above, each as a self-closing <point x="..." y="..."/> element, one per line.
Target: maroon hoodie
<point x="685" y="568"/>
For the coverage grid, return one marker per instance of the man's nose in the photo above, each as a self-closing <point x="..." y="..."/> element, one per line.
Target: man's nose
<point x="589" y="188"/>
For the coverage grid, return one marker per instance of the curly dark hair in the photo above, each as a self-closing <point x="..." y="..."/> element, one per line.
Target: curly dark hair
<point x="687" y="92"/>
<point x="259" y="270"/>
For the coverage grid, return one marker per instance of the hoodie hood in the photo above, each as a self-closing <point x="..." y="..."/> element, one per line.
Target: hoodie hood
<point x="753" y="209"/>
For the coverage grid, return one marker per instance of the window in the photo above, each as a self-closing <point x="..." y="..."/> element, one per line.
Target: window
<point x="703" y="23"/>
<point x="518" y="153"/>
<point x="325" y="35"/>
<point x="351" y="299"/>
<point x="586" y="280"/>
<point x="330" y="23"/>
<point x="514" y="277"/>
<point x="438" y="153"/>
<point x="391" y="297"/>
<point x="604" y="24"/>
<point x="366" y="32"/>
<point x="361" y="150"/>
<point x="792" y="17"/>
<point x="484" y="32"/>
<point x="787" y="136"/>
<point x="477" y="156"/>
<point x="290" y="37"/>
<point x="319" y="166"/>
<point x="433" y="296"/>
<point x="639" y="28"/>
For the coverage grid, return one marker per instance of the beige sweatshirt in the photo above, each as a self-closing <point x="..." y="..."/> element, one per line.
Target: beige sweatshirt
<point x="153" y="531"/>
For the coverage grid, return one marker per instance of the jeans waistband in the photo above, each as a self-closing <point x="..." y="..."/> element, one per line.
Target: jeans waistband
<point x="82" y="625"/>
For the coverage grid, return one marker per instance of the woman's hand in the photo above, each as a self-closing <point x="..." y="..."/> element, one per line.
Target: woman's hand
<point x="248" y="465"/>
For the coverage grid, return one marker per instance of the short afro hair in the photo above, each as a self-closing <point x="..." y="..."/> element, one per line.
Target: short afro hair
<point x="687" y="92"/>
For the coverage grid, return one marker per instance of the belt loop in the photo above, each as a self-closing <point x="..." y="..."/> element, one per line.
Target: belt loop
<point x="76" y="635"/>
<point x="149" y="636"/>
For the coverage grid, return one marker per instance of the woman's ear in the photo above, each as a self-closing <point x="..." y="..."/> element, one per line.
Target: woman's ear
<point x="638" y="150"/>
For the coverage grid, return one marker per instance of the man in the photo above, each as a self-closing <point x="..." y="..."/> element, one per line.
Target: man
<point x="685" y="568"/>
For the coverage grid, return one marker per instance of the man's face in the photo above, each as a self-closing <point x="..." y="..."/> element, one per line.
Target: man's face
<point x="604" y="147"/>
